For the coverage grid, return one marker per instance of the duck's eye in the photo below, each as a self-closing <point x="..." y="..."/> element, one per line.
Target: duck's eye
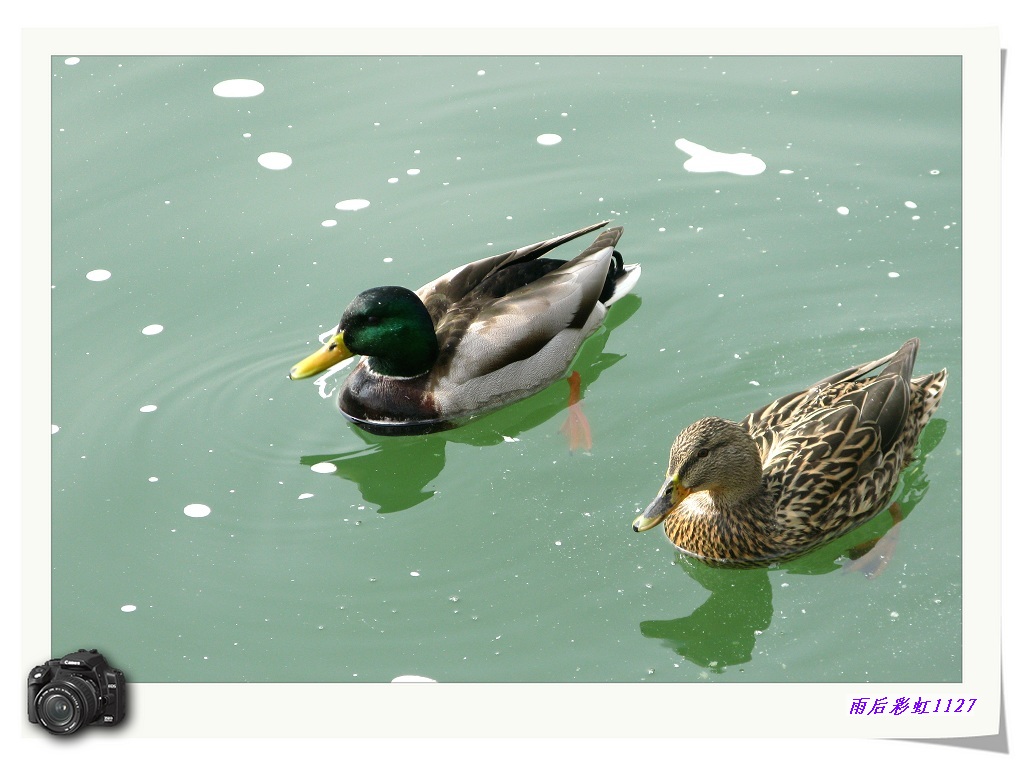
<point x="702" y="453"/>
<point x="372" y="320"/>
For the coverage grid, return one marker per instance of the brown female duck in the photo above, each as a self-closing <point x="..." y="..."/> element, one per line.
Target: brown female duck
<point x="798" y="472"/>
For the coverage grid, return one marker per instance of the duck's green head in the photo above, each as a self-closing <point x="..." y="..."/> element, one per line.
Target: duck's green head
<point x="389" y="325"/>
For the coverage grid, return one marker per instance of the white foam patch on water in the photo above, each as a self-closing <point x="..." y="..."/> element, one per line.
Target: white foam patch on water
<point x="704" y="160"/>
<point x="305" y="495"/>
<point x="353" y="204"/>
<point x="328" y="334"/>
<point x="412" y="172"/>
<point x="98" y="275"/>
<point x="413" y="680"/>
<point x="153" y="478"/>
<point x="549" y="139"/>
<point x="325" y="383"/>
<point x="324" y="468"/>
<point x="54" y="429"/>
<point x="147" y="408"/>
<point x="240" y="88"/>
<point x="274" y="160"/>
<point x="197" y="510"/>
<point x="128" y="608"/>
<point x="329" y="223"/>
<point x="910" y="204"/>
<point x="72" y="60"/>
<point x="843" y="210"/>
<point x="152" y="329"/>
<point x="893" y="274"/>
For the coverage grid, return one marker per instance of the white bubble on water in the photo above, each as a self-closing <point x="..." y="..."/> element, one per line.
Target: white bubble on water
<point x="274" y="160"/>
<point x="72" y="60"/>
<point x="98" y="275"/>
<point x="147" y="408"/>
<point x="353" y="204"/>
<point x="128" y="608"/>
<point x="152" y="329"/>
<point x="324" y="468"/>
<point x="240" y="88"/>
<point x="197" y="510"/>
<point x="549" y="139"/>
<point x="843" y="210"/>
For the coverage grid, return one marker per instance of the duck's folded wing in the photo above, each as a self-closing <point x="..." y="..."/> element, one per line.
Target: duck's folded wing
<point x="449" y="288"/>
<point x="544" y="322"/>
<point x="832" y="391"/>
<point x="816" y="459"/>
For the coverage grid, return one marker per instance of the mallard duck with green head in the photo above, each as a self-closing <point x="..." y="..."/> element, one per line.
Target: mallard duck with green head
<point x="480" y="337"/>
<point x="798" y="472"/>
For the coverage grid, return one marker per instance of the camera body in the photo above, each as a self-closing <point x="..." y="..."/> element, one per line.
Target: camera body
<point x="76" y="690"/>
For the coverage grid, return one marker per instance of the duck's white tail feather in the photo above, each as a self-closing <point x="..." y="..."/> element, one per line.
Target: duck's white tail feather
<point x="625" y="283"/>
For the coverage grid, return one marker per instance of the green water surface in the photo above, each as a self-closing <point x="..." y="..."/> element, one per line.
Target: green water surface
<point x="487" y="553"/>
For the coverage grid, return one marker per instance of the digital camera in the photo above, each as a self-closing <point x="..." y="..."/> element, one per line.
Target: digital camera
<point x="74" y="691"/>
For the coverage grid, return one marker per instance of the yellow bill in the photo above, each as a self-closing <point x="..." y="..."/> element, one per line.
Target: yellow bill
<point x="332" y="352"/>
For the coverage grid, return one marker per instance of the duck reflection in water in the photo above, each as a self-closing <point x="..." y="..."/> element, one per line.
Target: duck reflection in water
<point x="722" y="632"/>
<point x="393" y="472"/>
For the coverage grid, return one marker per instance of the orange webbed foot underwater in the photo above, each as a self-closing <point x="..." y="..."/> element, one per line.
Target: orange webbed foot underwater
<point x="576" y="426"/>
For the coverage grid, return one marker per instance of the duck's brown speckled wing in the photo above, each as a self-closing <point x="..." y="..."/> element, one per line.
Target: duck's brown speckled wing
<point x="812" y="465"/>
<point x="764" y="424"/>
<point x="840" y="433"/>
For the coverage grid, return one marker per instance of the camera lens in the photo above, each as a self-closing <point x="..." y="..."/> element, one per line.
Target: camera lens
<point x="57" y="709"/>
<point x="67" y="704"/>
